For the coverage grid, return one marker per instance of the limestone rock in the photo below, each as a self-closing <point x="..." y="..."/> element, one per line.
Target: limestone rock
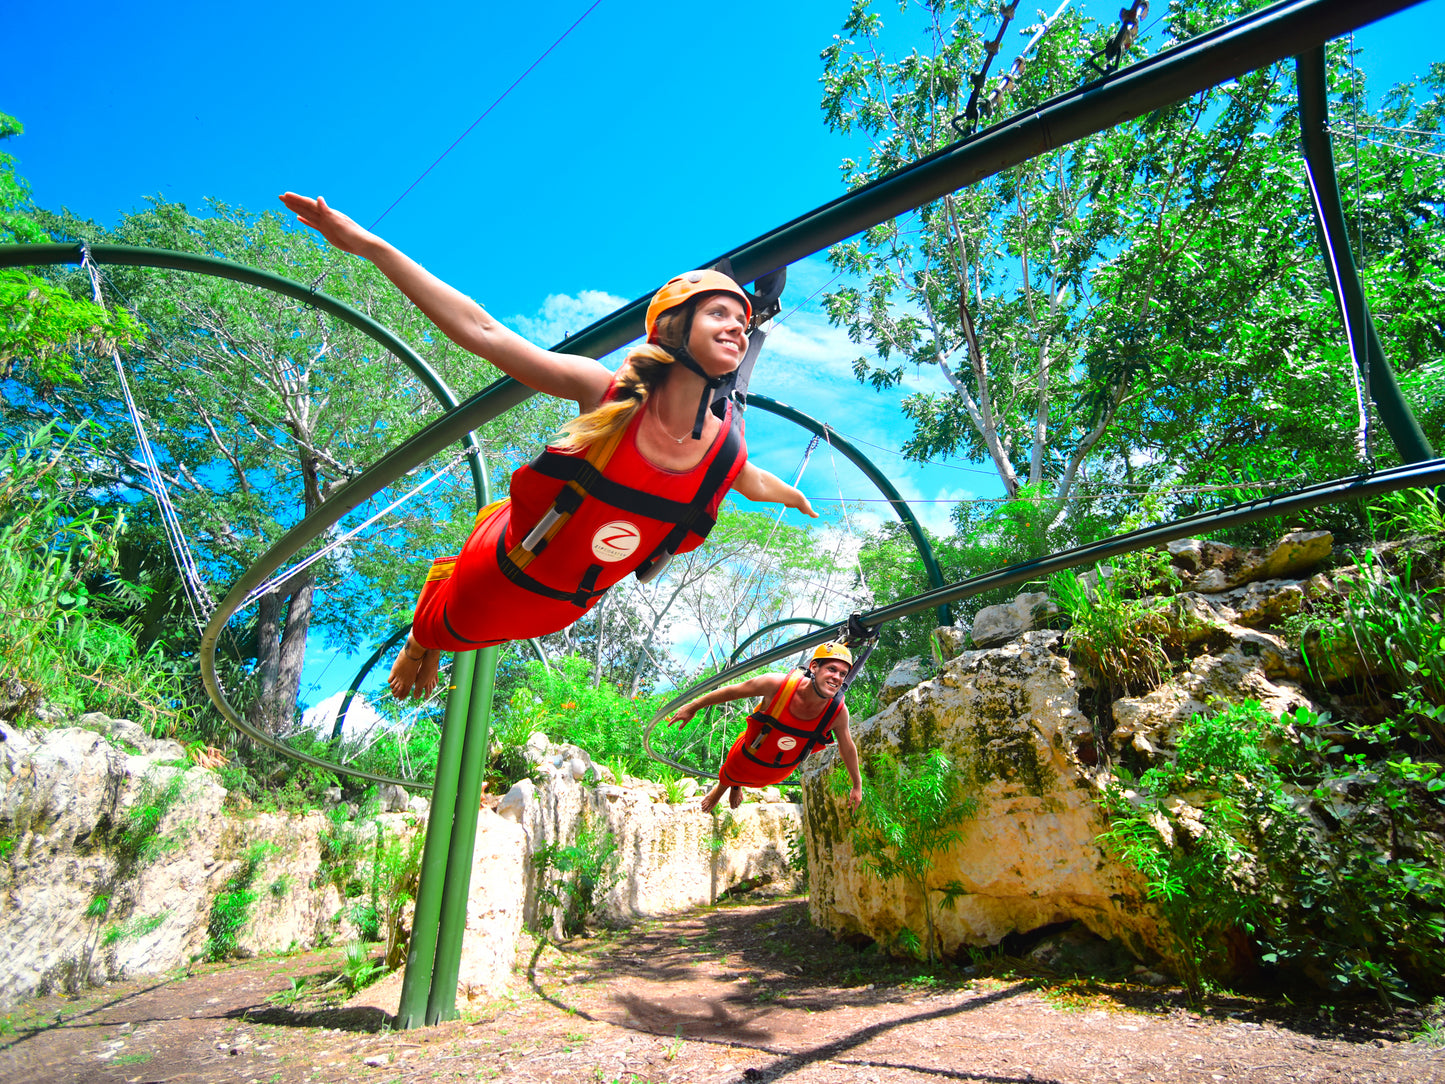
<point x="515" y="804"/>
<point x="905" y="675"/>
<point x="1212" y="567"/>
<point x="494" y="908"/>
<point x="1151" y="722"/>
<point x="995" y="625"/>
<point x="1010" y="718"/>
<point x="392" y="798"/>
<point x="951" y="640"/>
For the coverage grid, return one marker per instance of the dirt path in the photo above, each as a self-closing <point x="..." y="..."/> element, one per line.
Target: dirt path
<point x="746" y="993"/>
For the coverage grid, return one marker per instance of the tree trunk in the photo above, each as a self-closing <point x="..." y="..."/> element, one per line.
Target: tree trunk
<point x="280" y="654"/>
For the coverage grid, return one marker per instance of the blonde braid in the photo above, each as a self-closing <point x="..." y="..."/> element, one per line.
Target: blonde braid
<point x="642" y="373"/>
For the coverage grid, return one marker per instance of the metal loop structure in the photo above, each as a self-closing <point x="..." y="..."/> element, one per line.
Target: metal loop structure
<point x="353" y="494"/>
<point x="1273" y="33"/>
<point x="1429" y="474"/>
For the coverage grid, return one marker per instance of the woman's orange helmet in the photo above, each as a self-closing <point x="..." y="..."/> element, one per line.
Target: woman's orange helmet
<point x="689" y="284"/>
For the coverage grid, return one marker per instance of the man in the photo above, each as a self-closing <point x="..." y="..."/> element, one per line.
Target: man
<point x="800" y="711"/>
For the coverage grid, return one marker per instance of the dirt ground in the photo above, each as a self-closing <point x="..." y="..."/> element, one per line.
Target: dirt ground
<point x="744" y="993"/>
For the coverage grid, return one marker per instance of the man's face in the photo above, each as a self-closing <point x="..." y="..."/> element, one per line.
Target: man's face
<point x="828" y="675"/>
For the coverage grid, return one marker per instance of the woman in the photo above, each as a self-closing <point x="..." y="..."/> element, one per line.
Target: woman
<point x="624" y="489"/>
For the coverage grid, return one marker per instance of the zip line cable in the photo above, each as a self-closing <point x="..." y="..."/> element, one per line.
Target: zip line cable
<point x="198" y="597"/>
<point x="302" y="566"/>
<point x="483" y="117"/>
<point x="847" y="522"/>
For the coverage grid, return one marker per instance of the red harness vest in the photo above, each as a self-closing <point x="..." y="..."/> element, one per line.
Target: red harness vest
<point x="783" y="740"/>
<point x="620" y="512"/>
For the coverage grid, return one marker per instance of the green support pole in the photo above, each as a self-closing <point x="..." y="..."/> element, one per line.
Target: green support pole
<point x="1314" y="117"/>
<point x="442" y="1004"/>
<point x="421" y="950"/>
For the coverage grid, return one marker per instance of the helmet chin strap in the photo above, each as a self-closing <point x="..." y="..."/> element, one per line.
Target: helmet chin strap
<point x="711" y="385"/>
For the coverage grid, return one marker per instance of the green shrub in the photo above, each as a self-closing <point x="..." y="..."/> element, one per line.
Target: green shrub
<point x="913" y="810"/>
<point x="1115" y="627"/>
<point x="231" y="909"/>
<point x="1397" y="628"/>
<point x="59" y="581"/>
<point x="575" y="877"/>
<point x="1352" y="895"/>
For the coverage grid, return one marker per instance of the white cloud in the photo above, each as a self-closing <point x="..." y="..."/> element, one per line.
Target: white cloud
<point x="562" y="315"/>
<point x="361" y="717"/>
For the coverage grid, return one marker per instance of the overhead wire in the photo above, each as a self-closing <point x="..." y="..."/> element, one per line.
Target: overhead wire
<point x="303" y="565"/>
<point x="485" y="112"/>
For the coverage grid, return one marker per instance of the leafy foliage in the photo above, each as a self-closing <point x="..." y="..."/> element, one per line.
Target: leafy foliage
<point x="913" y="810"/>
<point x="41" y="324"/>
<point x="1114" y="627"/>
<point x="59" y="588"/>
<point x="1396" y="626"/>
<point x="1352" y="895"/>
<point x="231" y="909"/>
<point x="1146" y="305"/>
<point x="573" y="878"/>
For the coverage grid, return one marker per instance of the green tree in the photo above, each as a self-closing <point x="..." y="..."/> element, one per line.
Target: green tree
<point x="1144" y="306"/>
<point x="262" y="408"/>
<point x="41" y="324"/>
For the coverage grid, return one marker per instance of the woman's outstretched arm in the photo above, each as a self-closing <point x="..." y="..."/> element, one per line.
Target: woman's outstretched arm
<point x="756" y="484"/>
<point x="567" y="376"/>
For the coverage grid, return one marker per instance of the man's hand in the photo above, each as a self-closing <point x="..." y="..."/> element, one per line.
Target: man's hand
<point x="855" y="798"/>
<point x="684" y="715"/>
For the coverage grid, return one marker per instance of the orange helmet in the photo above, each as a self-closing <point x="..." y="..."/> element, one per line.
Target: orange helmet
<point x="831" y="650"/>
<point x="681" y="288"/>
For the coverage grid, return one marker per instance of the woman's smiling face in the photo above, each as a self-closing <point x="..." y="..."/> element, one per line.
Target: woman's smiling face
<point x="719" y="333"/>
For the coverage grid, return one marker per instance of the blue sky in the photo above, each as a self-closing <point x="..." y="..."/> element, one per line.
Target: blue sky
<point x="652" y="138"/>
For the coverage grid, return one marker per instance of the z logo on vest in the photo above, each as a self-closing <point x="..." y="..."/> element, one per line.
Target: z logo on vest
<point x="787" y="742"/>
<point x="616" y="541"/>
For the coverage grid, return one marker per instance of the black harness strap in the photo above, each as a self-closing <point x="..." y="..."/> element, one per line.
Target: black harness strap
<point x="582" y="597"/>
<point x="568" y="468"/>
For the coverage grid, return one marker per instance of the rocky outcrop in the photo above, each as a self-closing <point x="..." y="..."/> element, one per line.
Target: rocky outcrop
<point x="115" y="850"/>
<point x="671" y="855"/>
<point x="1023" y="728"/>
<point x="1009" y="719"/>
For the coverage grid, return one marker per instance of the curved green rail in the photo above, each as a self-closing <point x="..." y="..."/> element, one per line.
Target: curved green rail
<point x="129" y="255"/>
<point x="1428" y="474"/>
<point x="874" y="475"/>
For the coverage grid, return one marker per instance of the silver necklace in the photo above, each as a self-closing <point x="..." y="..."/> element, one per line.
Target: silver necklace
<point x="676" y="440"/>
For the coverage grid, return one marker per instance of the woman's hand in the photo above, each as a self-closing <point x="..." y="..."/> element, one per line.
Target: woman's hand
<point x="683" y="715"/>
<point x="795" y="499"/>
<point x="567" y="376"/>
<point x="339" y="231"/>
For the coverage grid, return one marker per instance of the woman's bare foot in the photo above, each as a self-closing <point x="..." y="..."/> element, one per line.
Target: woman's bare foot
<point x="414" y="674"/>
<point x="735" y="799"/>
<point x="711" y="798"/>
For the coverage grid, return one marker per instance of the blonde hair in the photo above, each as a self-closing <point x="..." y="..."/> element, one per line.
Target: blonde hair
<point x="640" y="375"/>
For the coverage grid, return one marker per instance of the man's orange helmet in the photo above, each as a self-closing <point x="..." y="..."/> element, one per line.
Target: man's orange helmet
<point x="689" y="284"/>
<point x="831" y="650"/>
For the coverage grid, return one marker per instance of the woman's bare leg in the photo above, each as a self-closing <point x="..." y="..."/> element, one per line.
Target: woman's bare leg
<point x="735" y="799"/>
<point x="415" y="670"/>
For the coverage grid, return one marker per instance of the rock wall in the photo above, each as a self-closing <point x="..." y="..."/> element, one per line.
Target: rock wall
<point x="91" y="890"/>
<point x="671" y="856"/>
<point x="1019" y="722"/>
